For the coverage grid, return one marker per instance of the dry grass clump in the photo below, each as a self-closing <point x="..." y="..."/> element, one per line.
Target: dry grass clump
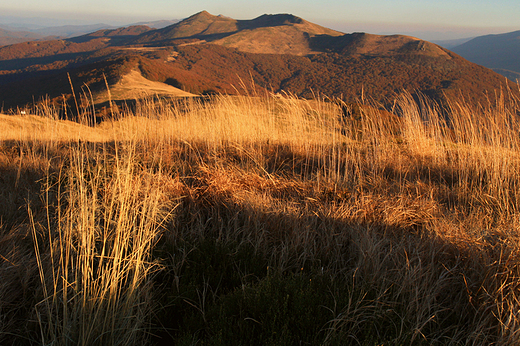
<point x="94" y="255"/>
<point x="92" y="233"/>
<point x="295" y="221"/>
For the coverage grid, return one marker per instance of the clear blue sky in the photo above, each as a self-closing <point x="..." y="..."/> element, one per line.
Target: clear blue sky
<point x="450" y="18"/>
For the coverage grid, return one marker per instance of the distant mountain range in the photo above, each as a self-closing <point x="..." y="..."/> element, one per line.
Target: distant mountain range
<point x="12" y="35"/>
<point x="499" y="52"/>
<point x="216" y="54"/>
<point x="450" y="44"/>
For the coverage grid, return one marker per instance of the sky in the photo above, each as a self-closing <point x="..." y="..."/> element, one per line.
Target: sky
<point x="426" y="19"/>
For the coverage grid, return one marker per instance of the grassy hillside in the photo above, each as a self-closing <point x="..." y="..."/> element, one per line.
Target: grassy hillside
<point x="207" y="54"/>
<point x="269" y="33"/>
<point x="262" y="220"/>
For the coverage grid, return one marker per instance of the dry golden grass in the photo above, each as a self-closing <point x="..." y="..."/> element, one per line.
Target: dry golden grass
<point x="96" y="267"/>
<point x="133" y="86"/>
<point x="420" y="212"/>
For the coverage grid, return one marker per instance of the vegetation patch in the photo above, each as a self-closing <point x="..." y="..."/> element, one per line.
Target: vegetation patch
<point x="262" y="220"/>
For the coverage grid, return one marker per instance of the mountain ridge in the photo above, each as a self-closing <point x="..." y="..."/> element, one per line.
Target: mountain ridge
<point x="495" y="51"/>
<point x="215" y="54"/>
<point x="291" y="33"/>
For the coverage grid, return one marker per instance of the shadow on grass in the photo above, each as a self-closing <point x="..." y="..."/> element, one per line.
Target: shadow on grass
<point x="240" y="275"/>
<point x="293" y="268"/>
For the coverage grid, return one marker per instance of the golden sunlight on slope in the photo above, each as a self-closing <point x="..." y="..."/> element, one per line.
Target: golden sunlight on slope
<point x="368" y="44"/>
<point x="44" y="129"/>
<point x="291" y="38"/>
<point x="133" y="85"/>
<point x="269" y="40"/>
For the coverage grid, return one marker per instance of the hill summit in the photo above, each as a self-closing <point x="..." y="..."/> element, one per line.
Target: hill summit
<point x="269" y="33"/>
<point x="205" y="54"/>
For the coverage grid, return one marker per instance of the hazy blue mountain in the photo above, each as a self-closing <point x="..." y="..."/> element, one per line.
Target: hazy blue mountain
<point x="66" y="31"/>
<point x="449" y="44"/>
<point x="511" y="75"/>
<point x="17" y="30"/>
<point x="157" y="24"/>
<point x="12" y="37"/>
<point x="499" y="52"/>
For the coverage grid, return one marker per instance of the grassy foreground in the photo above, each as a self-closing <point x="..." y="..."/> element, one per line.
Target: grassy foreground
<point x="262" y="221"/>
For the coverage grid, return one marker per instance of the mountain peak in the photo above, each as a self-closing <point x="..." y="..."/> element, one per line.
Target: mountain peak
<point x="278" y="19"/>
<point x="199" y="24"/>
<point x="269" y="33"/>
<point x="206" y="17"/>
<point x="201" y="15"/>
<point x="206" y="52"/>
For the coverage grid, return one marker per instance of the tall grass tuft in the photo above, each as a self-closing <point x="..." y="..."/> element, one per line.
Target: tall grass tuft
<point x="296" y="221"/>
<point x="94" y="251"/>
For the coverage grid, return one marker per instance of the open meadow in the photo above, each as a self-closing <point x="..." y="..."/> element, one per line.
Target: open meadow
<point x="262" y="220"/>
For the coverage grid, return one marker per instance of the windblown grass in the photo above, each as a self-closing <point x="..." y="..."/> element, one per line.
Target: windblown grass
<point x="263" y="220"/>
<point x="95" y="269"/>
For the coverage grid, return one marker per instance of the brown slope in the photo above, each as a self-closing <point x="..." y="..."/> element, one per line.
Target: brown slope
<point x="294" y="39"/>
<point x="274" y="34"/>
<point x="338" y="74"/>
<point x="39" y="49"/>
<point x="133" y="85"/>
<point x="124" y="31"/>
<point x="20" y="61"/>
<point x="363" y="44"/>
<point x="511" y="75"/>
<point x="22" y="87"/>
<point x="324" y="62"/>
<point x="12" y="37"/>
<point x="199" y="25"/>
<point x="81" y="44"/>
<point x="207" y="68"/>
<point x="115" y="65"/>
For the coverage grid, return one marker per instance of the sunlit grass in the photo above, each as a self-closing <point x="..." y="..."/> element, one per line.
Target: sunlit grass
<point x="185" y="220"/>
